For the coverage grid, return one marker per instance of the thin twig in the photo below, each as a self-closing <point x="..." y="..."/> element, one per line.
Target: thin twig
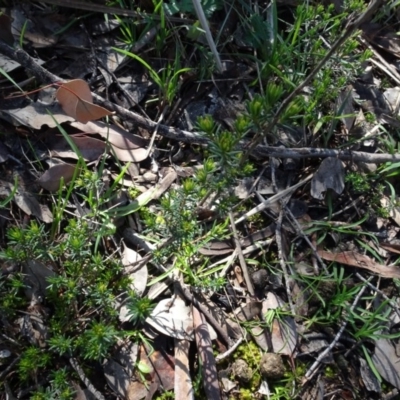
<point x="231" y="350"/>
<point x="45" y="76"/>
<point x="242" y="261"/>
<point x="85" y="5"/>
<point x="273" y="199"/>
<point x="391" y="303"/>
<point x="192" y="299"/>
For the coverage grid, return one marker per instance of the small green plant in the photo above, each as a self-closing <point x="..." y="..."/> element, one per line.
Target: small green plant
<point x="59" y="387"/>
<point x="359" y="183"/>
<point x="31" y="362"/>
<point x="139" y="308"/>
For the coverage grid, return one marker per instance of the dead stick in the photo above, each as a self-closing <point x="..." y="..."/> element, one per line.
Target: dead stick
<point x="242" y="261"/>
<point x="45" y="76"/>
<point x="85" y="5"/>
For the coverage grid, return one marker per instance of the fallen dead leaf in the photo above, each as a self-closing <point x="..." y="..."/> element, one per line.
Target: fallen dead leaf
<point x="205" y="351"/>
<point x="172" y="317"/>
<point x="387" y="362"/>
<point x="90" y="148"/>
<point x="330" y="175"/>
<point x="27" y="202"/>
<point x="361" y="261"/>
<point x="127" y="146"/>
<point x="51" y="179"/>
<point x="183" y="387"/>
<point x="392" y="247"/>
<point x="38" y="114"/>
<point x="76" y="100"/>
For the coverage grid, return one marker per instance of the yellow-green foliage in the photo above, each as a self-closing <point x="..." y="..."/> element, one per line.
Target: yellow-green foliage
<point x="250" y="353"/>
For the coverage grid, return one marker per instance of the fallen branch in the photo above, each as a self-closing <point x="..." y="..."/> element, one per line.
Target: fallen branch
<point x="44" y="76"/>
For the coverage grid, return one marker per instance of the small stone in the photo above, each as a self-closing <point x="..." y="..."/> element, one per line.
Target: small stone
<point x="272" y="366"/>
<point x="260" y="279"/>
<point x="242" y="371"/>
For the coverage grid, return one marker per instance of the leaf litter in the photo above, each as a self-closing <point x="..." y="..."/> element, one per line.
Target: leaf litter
<point x="315" y="259"/>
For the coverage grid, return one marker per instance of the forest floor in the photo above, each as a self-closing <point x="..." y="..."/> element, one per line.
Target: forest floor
<point x="199" y="200"/>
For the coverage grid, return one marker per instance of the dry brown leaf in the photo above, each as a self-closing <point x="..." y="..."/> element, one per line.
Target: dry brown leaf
<point x="137" y="391"/>
<point x="382" y="37"/>
<point x="387" y="362"/>
<point x="38" y="114"/>
<point x="392" y="247"/>
<point x="90" y="148"/>
<point x="115" y="135"/>
<point x="133" y="155"/>
<point x="70" y="92"/>
<point x="76" y="100"/>
<point x="126" y="355"/>
<point x="51" y="179"/>
<point x="127" y="146"/>
<point x="27" y="202"/>
<point x="330" y="175"/>
<point x="183" y="387"/>
<point x="361" y="261"/>
<point x="5" y="30"/>
<point x="35" y="275"/>
<point x="205" y="351"/>
<point x="86" y="111"/>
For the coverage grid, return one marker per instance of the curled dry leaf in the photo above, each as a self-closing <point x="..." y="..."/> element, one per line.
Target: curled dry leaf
<point x="361" y="261"/>
<point x="51" y="179"/>
<point x="76" y="100"/>
<point x="172" y="317"/>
